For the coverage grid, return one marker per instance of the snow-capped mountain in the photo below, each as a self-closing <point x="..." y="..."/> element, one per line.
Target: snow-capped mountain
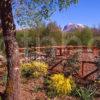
<point x="71" y="27"/>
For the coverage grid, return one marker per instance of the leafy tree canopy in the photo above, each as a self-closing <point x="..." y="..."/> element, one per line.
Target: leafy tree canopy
<point x="31" y="12"/>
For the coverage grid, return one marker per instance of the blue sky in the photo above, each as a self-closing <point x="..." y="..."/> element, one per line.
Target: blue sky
<point x="85" y="12"/>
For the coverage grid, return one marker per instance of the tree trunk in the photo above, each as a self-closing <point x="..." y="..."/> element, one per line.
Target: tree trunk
<point x="12" y="52"/>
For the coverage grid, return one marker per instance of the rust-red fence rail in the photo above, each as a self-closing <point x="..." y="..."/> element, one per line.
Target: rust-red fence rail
<point x="87" y="57"/>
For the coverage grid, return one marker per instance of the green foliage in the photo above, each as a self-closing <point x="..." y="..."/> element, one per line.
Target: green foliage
<point x="85" y="93"/>
<point x="40" y="36"/>
<point x="96" y="41"/>
<point x="22" y="38"/>
<point x="50" y="35"/>
<point x="49" y="90"/>
<point x="83" y="37"/>
<point x="72" y="42"/>
<point x="31" y="12"/>
<point x="26" y="71"/>
<point x="53" y="31"/>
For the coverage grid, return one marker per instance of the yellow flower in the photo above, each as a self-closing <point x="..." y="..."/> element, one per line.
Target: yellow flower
<point x="61" y="84"/>
<point x="36" y="74"/>
<point x="35" y="68"/>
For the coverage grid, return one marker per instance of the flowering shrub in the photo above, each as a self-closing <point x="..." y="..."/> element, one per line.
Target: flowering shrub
<point x="40" y="68"/>
<point x="61" y="84"/>
<point x="34" y="69"/>
<point x="26" y="69"/>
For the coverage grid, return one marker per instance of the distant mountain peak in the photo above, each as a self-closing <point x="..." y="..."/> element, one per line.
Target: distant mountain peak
<point x="70" y="27"/>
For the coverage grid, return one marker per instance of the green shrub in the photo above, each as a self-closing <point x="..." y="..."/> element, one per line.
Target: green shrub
<point x="26" y="69"/>
<point x="85" y="93"/>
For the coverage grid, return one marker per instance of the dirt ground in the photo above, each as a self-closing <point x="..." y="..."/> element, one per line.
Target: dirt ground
<point x="30" y="91"/>
<point x="33" y="89"/>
